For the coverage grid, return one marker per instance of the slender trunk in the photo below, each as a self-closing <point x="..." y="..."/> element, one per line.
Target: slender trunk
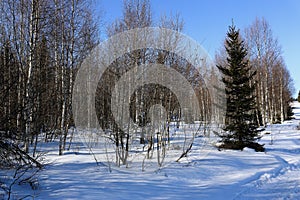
<point x="263" y="109"/>
<point x="281" y="99"/>
<point x="28" y="94"/>
<point x="272" y="100"/>
<point x="56" y="63"/>
<point x="267" y="110"/>
<point x="71" y="67"/>
<point x="63" y="90"/>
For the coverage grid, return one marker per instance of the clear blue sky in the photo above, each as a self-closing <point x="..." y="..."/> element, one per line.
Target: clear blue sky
<point x="207" y="21"/>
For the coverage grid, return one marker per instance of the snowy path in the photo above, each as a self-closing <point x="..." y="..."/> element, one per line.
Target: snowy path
<point x="282" y="182"/>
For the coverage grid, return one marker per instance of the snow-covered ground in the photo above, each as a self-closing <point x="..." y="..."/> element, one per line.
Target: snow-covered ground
<point x="226" y="174"/>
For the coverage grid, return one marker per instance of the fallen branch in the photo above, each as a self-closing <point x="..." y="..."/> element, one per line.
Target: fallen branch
<point x="185" y="153"/>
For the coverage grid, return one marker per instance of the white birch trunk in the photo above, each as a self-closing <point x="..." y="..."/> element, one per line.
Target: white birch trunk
<point x="63" y="89"/>
<point x="28" y="99"/>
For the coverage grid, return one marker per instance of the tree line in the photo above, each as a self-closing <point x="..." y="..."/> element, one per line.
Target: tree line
<point x="273" y="84"/>
<point x="138" y="14"/>
<point x="43" y="43"/>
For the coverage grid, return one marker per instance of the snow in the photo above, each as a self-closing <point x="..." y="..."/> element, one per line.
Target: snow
<point x="225" y="174"/>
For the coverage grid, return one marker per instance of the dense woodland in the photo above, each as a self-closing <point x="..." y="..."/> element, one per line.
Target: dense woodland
<point x="43" y="43"/>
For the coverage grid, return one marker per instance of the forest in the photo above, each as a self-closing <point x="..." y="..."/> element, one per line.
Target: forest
<point x="44" y="43"/>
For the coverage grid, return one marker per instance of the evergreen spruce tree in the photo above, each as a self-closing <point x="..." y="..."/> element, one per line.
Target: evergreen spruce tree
<point x="299" y="96"/>
<point x="241" y="129"/>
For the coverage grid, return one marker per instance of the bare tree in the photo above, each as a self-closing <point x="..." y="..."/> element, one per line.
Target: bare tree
<point x="266" y="56"/>
<point x="43" y="43"/>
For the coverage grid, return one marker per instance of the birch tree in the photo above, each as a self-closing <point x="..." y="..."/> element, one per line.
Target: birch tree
<point x="42" y="45"/>
<point x="265" y="55"/>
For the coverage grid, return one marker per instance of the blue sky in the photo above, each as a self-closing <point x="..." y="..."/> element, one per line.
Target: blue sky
<point x="207" y="21"/>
